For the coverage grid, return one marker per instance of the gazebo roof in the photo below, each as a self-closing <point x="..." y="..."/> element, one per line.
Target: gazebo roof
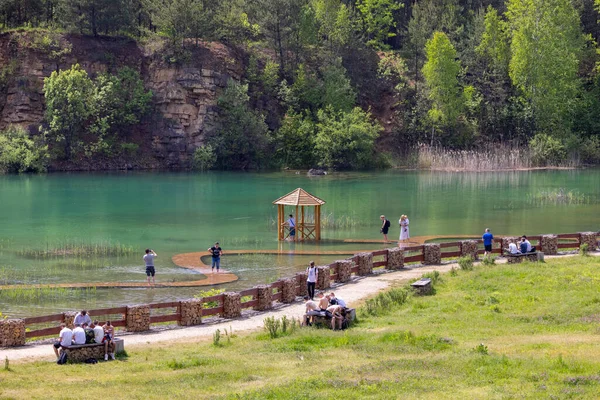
<point x="299" y="197"/>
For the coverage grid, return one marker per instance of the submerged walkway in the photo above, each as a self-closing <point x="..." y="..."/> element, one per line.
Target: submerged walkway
<point x="194" y="262"/>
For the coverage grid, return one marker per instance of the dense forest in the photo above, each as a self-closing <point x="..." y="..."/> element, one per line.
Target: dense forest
<point x="344" y="84"/>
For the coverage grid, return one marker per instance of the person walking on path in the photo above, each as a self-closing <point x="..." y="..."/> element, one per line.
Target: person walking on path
<point x="488" y="239"/>
<point x="385" y="227"/>
<point x="404" y="233"/>
<point x="311" y="279"/>
<point x="292" y="225"/>
<point x="216" y="252"/>
<point x="149" y="260"/>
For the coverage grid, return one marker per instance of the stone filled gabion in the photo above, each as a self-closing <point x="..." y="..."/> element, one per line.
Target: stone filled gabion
<point x="288" y="290"/>
<point x="533" y="257"/>
<point x="264" y="297"/>
<point x="468" y="248"/>
<point x="549" y="244"/>
<point x="364" y="261"/>
<point x="344" y="270"/>
<point x="508" y="240"/>
<point x="191" y="312"/>
<point x="323" y="277"/>
<point x="395" y="259"/>
<point x="432" y="254"/>
<point x="232" y="305"/>
<point x="588" y="238"/>
<point x="91" y="351"/>
<point x="301" y="289"/>
<point x="12" y="332"/>
<point x="138" y="318"/>
<point x="68" y="318"/>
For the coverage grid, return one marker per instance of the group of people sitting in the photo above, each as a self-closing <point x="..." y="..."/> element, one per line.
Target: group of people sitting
<point x="523" y="246"/>
<point x="328" y="306"/>
<point x="86" y="331"/>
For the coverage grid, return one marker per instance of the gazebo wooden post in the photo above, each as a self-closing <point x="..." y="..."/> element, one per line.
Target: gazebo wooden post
<point x="302" y="214"/>
<point x="296" y="217"/>
<point x="318" y="222"/>
<point x="280" y="234"/>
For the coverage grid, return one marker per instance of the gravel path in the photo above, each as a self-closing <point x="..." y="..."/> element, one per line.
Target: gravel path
<point x="353" y="292"/>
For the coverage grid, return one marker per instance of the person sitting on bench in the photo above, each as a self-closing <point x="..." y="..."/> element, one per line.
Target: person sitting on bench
<point x="512" y="248"/>
<point x="526" y="246"/>
<point x="336" y="316"/>
<point x="336" y="300"/>
<point x="312" y="309"/>
<point x="65" y="338"/>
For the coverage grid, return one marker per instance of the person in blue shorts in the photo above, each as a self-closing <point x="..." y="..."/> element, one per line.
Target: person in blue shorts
<point x="216" y="252"/>
<point x="488" y="239"/>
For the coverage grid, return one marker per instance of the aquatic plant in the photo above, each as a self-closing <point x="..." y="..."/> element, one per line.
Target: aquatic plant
<point x="502" y="157"/>
<point x="44" y="294"/>
<point x="558" y="196"/>
<point x="81" y="249"/>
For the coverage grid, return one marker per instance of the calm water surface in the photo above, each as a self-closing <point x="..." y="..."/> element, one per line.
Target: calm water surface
<point x="178" y="213"/>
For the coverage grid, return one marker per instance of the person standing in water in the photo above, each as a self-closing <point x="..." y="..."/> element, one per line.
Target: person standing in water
<point x="385" y="227"/>
<point x="404" y="233"/>
<point x="292" y="225"/>
<point x="216" y="252"/>
<point x="149" y="260"/>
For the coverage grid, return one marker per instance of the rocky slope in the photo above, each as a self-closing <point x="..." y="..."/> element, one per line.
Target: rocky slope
<point x="184" y="97"/>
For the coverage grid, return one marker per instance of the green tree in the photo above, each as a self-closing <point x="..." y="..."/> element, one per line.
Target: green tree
<point x="20" y="153"/>
<point x="120" y="101"/>
<point x="546" y="48"/>
<point x="495" y="40"/>
<point x="378" y="22"/>
<point x="441" y="77"/>
<point x="338" y="92"/>
<point x="295" y="141"/>
<point x="346" y="140"/>
<point x="242" y="141"/>
<point x="69" y="108"/>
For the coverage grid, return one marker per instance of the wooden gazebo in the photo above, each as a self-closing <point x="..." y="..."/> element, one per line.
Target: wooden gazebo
<point x="299" y="198"/>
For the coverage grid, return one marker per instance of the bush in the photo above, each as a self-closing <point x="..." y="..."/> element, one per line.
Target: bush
<point x="19" y="153"/>
<point x="204" y="158"/>
<point x="584" y="250"/>
<point x="384" y="302"/>
<point x="590" y="150"/>
<point x="546" y="150"/>
<point x="488" y="260"/>
<point x="466" y="263"/>
<point x="209" y="293"/>
<point x="345" y="140"/>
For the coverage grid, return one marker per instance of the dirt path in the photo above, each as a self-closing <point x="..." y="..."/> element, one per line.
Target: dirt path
<point x="352" y="293"/>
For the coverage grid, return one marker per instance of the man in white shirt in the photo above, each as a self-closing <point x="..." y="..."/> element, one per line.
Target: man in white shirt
<point x="82" y="318"/>
<point x="98" y="332"/>
<point x="336" y="300"/>
<point x="78" y="335"/>
<point x="65" y="337"/>
<point x="512" y="248"/>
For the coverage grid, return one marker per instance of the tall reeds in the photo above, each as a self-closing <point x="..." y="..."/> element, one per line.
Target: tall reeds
<point x="558" y="196"/>
<point x="492" y="158"/>
<point x="81" y="249"/>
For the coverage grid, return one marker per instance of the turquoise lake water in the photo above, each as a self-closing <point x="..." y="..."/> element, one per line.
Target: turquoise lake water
<point x="186" y="212"/>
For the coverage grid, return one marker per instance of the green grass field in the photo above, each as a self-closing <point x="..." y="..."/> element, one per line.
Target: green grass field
<point x="500" y="331"/>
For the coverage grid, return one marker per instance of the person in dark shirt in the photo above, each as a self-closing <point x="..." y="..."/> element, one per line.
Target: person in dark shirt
<point x="385" y="227"/>
<point x="216" y="253"/>
<point x="523" y="245"/>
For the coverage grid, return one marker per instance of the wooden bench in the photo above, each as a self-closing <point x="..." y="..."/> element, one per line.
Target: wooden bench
<point x="520" y="257"/>
<point x="326" y="321"/>
<point x="81" y="352"/>
<point x="423" y="286"/>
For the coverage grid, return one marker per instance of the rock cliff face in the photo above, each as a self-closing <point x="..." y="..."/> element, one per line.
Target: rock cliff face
<point x="185" y="97"/>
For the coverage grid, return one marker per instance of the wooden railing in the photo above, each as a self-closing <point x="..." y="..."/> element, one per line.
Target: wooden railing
<point x="171" y="311"/>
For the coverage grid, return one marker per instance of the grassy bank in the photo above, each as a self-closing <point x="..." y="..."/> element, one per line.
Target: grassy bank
<point x="500" y="331"/>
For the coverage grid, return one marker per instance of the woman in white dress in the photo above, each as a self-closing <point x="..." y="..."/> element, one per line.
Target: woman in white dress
<point x="404" y="234"/>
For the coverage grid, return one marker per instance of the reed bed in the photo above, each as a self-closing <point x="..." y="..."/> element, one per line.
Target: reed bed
<point x="79" y="249"/>
<point x="560" y="196"/>
<point x="44" y="294"/>
<point x="500" y="157"/>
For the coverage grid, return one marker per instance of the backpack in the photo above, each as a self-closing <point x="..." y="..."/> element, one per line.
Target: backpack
<point x="91" y="361"/>
<point x="387" y="224"/>
<point x="90" y="338"/>
<point x="62" y="359"/>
